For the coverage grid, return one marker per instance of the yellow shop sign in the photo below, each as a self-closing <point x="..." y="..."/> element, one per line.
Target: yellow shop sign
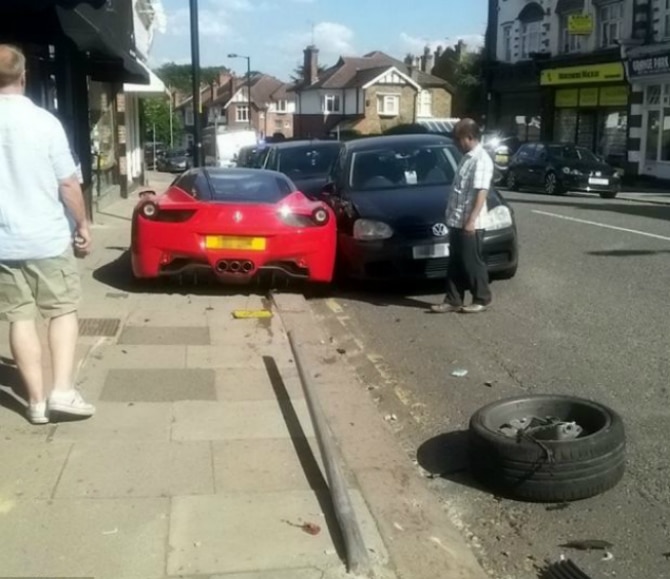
<point x="592" y="73"/>
<point x="580" y="24"/>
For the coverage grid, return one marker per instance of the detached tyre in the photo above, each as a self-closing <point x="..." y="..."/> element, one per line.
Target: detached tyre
<point x="534" y="467"/>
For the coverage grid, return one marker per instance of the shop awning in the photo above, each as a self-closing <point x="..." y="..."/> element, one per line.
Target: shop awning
<point x="156" y="86"/>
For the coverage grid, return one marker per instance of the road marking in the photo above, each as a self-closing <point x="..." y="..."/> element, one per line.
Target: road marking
<point x="333" y="306"/>
<point x="603" y="225"/>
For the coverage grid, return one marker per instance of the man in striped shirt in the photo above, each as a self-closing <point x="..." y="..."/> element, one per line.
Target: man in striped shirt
<point x="467" y="219"/>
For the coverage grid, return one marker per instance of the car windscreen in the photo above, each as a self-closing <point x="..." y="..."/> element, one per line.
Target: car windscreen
<point x="248" y="187"/>
<point x="177" y="153"/>
<point x="563" y="152"/>
<point x="308" y="161"/>
<point x="403" y="166"/>
<point x="587" y="156"/>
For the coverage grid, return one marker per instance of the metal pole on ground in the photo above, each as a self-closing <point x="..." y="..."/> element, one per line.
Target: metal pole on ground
<point x="195" y="64"/>
<point x="358" y="560"/>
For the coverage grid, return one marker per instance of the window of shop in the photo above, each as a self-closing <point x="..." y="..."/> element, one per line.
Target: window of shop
<point x="611" y="23"/>
<point x="569" y="42"/>
<point x="103" y="136"/>
<point x="657" y="122"/>
<point x="507" y="43"/>
<point x="530" y="38"/>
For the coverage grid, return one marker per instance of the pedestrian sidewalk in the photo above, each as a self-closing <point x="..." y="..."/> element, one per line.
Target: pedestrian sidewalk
<point x="201" y="460"/>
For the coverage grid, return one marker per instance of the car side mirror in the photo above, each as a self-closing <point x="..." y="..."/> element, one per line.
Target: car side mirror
<point x="146" y="193"/>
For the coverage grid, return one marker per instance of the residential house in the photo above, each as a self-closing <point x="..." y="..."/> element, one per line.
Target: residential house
<point x="226" y="104"/>
<point x="556" y="71"/>
<point x="366" y="95"/>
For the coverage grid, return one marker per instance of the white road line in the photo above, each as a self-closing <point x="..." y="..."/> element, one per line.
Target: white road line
<point x="603" y="225"/>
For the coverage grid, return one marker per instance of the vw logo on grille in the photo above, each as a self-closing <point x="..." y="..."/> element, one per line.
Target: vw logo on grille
<point x="440" y="230"/>
<point x="237" y="216"/>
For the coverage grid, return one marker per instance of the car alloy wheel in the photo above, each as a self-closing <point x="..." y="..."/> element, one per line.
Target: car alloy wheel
<point x="511" y="181"/>
<point x="551" y="184"/>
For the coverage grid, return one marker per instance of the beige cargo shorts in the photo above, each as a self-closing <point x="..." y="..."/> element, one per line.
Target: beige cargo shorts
<point x="51" y="287"/>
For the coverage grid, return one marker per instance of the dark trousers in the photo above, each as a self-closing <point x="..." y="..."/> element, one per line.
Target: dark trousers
<point x="467" y="269"/>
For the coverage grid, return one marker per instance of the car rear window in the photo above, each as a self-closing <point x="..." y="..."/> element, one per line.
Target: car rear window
<point x="249" y="187"/>
<point x="308" y="161"/>
<point x="403" y="166"/>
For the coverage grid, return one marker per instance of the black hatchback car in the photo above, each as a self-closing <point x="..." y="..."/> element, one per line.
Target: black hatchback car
<point x="560" y="167"/>
<point x="307" y="163"/>
<point x="390" y="194"/>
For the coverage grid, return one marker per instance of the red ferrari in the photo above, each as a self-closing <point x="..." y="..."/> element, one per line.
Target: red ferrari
<point x="235" y="223"/>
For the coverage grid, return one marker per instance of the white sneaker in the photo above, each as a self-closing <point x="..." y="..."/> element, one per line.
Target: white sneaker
<point x="70" y="402"/>
<point x="37" y="413"/>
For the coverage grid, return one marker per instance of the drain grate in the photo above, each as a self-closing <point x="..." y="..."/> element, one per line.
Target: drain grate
<point x="106" y="327"/>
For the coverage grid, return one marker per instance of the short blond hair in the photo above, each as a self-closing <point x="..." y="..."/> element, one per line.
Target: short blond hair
<point x="12" y="65"/>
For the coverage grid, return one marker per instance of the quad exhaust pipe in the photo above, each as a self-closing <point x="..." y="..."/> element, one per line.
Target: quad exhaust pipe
<point x="225" y="266"/>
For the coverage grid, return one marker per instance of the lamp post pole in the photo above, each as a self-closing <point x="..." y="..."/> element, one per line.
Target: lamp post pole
<point x="248" y="59"/>
<point x="195" y="65"/>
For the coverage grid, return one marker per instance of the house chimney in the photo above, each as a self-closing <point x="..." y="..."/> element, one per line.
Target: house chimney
<point x="428" y="60"/>
<point x="311" y="65"/>
<point x="409" y="59"/>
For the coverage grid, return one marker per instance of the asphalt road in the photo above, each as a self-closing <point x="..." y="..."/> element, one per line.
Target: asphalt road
<point x="587" y="314"/>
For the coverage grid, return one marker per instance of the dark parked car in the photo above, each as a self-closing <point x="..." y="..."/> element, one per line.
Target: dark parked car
<point x="307" y="163"/>
<point x="501" y="146"/>
<point x="251" y="157"/>
<point x="153" y="152"/>
<point x="390" y="194"/>
<point x="174" y="161"/>
<point x="561" y="167"/>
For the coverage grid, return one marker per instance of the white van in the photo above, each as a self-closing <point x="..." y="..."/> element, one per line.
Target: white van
<point x="221" y="150"/>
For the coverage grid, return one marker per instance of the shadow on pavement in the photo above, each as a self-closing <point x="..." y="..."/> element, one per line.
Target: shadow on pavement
<point x="627" y="208"/>
<point x="305" y="455"/>
<point x="11" y="387"/>
<point x="627" y="252"/>
<point x="446" y="456"/>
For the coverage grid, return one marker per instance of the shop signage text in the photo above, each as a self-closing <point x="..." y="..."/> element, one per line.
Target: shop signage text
<point x="580" y="24"/>
<point x="593" y="73"/>
<point x="649" y="65"/>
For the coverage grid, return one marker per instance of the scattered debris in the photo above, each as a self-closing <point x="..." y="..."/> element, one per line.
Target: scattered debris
<point x="607" y="556"/>
<point x="209" y="309"/>
<point x="114" y="531"/>
<point x="459" y="373"/>
<point x="311" y="528"/>
<point x="667" y="555"/>
<point x="398" y="526"/>
<point x="197" y="544"/>
<point x="251" y="314"/>
<point x="390" y="418"/>
<point x="588" y="545"/>
<point x="341" y="351"/>
<point x="548" y="428"/>
<point x="564" y="569"/>
<point x="329" y="552"/>
<point x="558" y="507"/>
<point x="488" y="384"/>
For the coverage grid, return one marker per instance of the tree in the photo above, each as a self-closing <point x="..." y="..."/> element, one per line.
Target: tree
<point x="299" y="72"/>
<point x="157" y="117"/>
<point x="464" y="70"/>
<point x="179" y="77"/>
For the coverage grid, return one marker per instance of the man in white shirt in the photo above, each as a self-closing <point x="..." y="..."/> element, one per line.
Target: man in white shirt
<point x="39" y="188"/>
<point x="467" y="219"/>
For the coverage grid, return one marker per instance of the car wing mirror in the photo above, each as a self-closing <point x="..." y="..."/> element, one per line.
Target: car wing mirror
<point x="146" y="194"/>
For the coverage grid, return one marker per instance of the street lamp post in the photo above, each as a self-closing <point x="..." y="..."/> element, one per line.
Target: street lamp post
<point x="195" y="65"/>
<point x="248" y="59"/>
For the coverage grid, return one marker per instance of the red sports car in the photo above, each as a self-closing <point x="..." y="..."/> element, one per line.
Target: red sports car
<point x="234" y="223"/>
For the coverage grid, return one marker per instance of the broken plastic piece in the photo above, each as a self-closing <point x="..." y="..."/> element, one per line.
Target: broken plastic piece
<point x="607" y="556"/>
<point x="311" y="528"/>
<point x="460" y="373"/>
<point x="249" y="314"/>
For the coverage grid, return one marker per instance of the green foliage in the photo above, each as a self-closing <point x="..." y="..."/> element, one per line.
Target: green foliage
<point x="299" y="72"/>
<point x="157" y="113"/>
<point x="465" y="74"/>
<point x="179" y="77"/>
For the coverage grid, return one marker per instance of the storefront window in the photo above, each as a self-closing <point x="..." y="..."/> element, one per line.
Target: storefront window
<point x="612" y="137"/>
<point x="566" y="125"/>
<point x="665" y="137"/>
<point x="103" y="136"/>
<point x="652" y="95"/>
<point x="653" y="130"/>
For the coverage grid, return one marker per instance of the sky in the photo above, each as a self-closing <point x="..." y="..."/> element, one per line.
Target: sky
<point x="275" y="32"/>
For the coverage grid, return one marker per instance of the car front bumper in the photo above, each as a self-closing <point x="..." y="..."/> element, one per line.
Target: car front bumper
<point x="393" y="258"/>
<point x="581" y="183"/>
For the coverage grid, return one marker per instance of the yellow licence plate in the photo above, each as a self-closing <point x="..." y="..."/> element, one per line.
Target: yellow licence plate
<point x="244" y="243"/>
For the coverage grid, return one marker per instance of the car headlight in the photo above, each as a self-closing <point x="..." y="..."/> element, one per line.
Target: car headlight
<point x="499" y="217"/>
<point x="367" y="229"/>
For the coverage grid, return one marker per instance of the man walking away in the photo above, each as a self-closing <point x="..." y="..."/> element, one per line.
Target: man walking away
<point x="39" y="188"/>
<point x="466" y="219"/>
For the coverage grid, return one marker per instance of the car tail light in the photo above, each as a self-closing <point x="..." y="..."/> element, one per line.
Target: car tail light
<point x="151" y="210"/>
<point x="320" y="216"/>
<point x="317" y="218"/>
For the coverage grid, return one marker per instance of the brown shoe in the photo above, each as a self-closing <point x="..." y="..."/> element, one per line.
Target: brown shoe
<point x="445" y="308"/>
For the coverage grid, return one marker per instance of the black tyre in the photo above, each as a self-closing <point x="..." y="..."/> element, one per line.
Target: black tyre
<point x="552" y="186"/>
<point x="511" y="181"/>
<point x="548" y="470"/>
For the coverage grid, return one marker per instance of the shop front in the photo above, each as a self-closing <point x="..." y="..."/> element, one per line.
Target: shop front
<point x="589" y="107"/>
<point x="649" y="75"/>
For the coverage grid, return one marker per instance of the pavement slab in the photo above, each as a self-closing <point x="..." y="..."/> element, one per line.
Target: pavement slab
<point x="120" y="469"/>
<point x="143" y="357"/>
<point x="101" y="538"/>
<point x="242" y="355"/>
<point x="237" y="384"/>
<point x="159" y="385"/>
<point x="243" y="420"/>
<point x="274" y="574"/>
<point x="165" y="335"/>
